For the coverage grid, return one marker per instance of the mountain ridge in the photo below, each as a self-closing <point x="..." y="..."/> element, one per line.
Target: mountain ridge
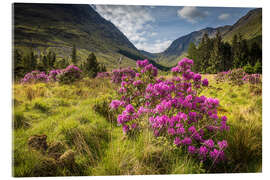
<point x="180" y="45"/>
<point x="57" y="27"/>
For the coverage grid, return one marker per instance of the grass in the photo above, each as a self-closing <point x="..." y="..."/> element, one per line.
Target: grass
<point x="77" y="117"/>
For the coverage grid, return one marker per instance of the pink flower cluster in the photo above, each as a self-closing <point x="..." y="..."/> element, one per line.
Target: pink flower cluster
<point x="54" y="75"/>
<point x="173" y="108"/>
<point x="253" y="78"/>
<point x="35" y="76"/>
<point x="117" y="74"/>
<point x="103" y="75"/>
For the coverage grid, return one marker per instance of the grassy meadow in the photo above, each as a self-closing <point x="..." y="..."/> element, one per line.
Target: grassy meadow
<point x="77" y="122"/>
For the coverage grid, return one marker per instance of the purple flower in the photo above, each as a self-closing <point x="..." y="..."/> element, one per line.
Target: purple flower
<point x="186" y="141"/>
<point x="142" y="63"/>
<point x="222" y="144"/>
<point x="115" y="104"/>
<point x="209" y="143"/>
<point x="180" y="130"/>
<point x="125" y="128"/>
<point x="171" y="131"/>
<point x="203" y="151"/>
<point x="197" y="77"/>
<point x="137" y="83"/>
<point x="177" y="141"/>
<point x="191" y="149"/>
<point x="175" y="69"/>
<point x="192" y="129"/>
<point x="130" y="109"/>
<point x="205" y="82"/>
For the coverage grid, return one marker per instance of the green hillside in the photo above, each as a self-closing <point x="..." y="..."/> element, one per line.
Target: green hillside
<point x="249" y="26"/>
<point x="57" y="27"/>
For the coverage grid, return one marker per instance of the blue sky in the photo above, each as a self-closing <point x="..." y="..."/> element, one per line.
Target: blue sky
<point x="153" y="28"/>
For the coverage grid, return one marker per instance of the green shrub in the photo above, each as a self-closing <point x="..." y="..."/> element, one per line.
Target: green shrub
<point x="248" y="69"/>
<point x="102" y="106"/>
<point x="258" y="67"/>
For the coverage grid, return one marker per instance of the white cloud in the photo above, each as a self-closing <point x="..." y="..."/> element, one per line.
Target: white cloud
<point x="224" y="16"/>
<point x="133" y="21"/>
<point x="156" y="47"/>
<point x="153" y="34"/>
<point x="192" y="14"/>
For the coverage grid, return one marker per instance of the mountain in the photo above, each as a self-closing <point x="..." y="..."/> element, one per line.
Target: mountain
<point x="249" y="26"/>
<point x="181" y="44"/>
<point x="57" y="27"/>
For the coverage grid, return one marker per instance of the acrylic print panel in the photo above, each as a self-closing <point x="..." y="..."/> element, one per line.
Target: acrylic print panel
<point x="136" y="90"/>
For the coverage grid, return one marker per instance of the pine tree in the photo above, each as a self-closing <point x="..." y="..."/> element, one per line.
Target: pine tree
<point x="51" y="57"/>
<point x="33" y="60"/>
<point x="216" y="55"/>
<point x="227" y="61"/>
<point x="193" y="54"/>
<point x="45" y="62"/>
<point x="236" y="51"/>
<point x="29" y="61"/>
<point x="74" y="55"/>
<point x="18" y="64"/>
<point x="255" y="53"/>
<point x="91" y="66"/>
<point x="204" y="50"/>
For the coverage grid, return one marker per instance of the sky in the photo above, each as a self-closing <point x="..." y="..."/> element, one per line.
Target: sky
<point x="153" y="28"/>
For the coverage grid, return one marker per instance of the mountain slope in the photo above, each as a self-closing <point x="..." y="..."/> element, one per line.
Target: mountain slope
<point x="180" y="45"/>
<point x="58" y="26"/>
<point x="249" y="26"/>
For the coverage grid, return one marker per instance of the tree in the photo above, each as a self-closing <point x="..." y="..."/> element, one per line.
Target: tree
<point x="258" y="67"/>
<point x="18" y="64"/>
<point x="204" y="50"/>
<point x="255" y="53"/>
<point x="91" y="66"/>
<point x="45" y="62"/>
<point x="61" y="63"/>
<point x="29" y="61"/>
<point x="216" y="58"/>
<point x="33" y="61"/>
<point x="227" y="61"/>
<point x="51" y="57"/>
<point x="74" y="55"/>
<point x="193" y="54"/>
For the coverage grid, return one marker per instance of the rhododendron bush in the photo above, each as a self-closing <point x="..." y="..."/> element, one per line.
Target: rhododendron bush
<point x="171" y="108"/>
<point x="238" y="77"/>
<point x="68" y="75"/>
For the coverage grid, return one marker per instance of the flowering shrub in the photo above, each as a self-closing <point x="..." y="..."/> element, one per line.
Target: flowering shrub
<point x="34" y="77"/>
<point x="69" y="75"/>
<point x="53" y="73"/>
<point x="253" y="78"/>
<point x="117" y="74"/>
<point x="234" y="76"/>
<point x="221" y="77"/>
<point x="103" y="75"/>
<point x="173" y="109"/>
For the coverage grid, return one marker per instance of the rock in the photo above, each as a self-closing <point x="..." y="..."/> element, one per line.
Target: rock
<point x="67" y="159"/>
<point x="38" y="142"/>
<point x="56" y="149"/>
<point x="46" y="167"/>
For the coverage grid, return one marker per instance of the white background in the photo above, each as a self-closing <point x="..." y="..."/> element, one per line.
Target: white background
<point x="6" y="86"/>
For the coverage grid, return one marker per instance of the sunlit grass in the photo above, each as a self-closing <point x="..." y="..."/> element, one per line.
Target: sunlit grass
<point x="66" y="114"/>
